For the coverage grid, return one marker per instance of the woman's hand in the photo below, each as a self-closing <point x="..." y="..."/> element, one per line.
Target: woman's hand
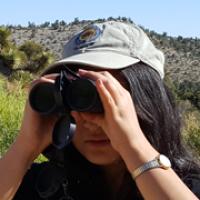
<point x="36" y="130"/>
<point x="34" y="136"/>
<point x="119" y="120"/>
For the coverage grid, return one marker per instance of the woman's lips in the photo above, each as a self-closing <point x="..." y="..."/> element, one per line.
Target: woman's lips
<point x="98" y="143"/>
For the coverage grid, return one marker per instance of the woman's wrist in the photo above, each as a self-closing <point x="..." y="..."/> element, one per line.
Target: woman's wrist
<point x="138" y="152"/>
<point x="27" y="150"/>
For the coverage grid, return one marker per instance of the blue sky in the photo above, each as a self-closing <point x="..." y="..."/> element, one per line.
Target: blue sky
<point x="176" y="17"/>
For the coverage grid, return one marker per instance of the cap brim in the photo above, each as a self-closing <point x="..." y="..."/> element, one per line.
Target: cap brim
<point x="104" y="60"/>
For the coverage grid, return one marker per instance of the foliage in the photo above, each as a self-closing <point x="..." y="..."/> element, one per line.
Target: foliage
<point x="37" y="58"/>
<point x="45" y="25"/>
<point x="23" y="78"/>
<point x="185" y="90"/>
<point x="13" y="98"/>
<point x="4" y="37"/>
<point x="31" y="49"/>
<point x="189" y="90"/>
<point x="55" y="25"/>
<point x="30" y="56"/>
<point x="12" y="57"/>
<point x="187" y="95"/>
<point x="191" y="130"/>
<point x="171" y="85"/>
<point x="9" y="54"/>
<point x="31" y="25"/>
<point x="12" y="103"/>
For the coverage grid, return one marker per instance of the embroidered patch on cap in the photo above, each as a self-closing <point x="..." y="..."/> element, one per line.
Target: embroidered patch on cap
<point x="88" y="36"/>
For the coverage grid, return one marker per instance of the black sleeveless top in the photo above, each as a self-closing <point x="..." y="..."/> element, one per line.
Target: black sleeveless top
<point x="77" y="179"/>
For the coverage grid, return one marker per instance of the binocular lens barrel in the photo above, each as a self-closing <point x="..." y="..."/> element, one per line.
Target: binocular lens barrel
<point x="42" y="98"/>
<point x="82" y="95"/>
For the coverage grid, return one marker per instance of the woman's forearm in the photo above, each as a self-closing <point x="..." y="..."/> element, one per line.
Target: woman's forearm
<point x="13" y="166"/>
<point x="157" y="183"/>
<point x="163" y="184"/>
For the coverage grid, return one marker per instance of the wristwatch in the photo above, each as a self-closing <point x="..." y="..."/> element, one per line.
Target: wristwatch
<point x="160" y="161"/>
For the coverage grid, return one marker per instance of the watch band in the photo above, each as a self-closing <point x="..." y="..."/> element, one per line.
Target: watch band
<point x="160" y="161"/>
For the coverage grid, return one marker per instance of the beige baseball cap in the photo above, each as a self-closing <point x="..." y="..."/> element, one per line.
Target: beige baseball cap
<point x="112" y="45"/>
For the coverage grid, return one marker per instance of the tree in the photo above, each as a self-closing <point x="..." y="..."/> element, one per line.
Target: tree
<point x="28" y="57"/>
<point x="37" y="58"/>
<point x="31" y="25"/>
<point x="13" y="58"/>
<point x="55" y="25"/>
<point x="31" y="49"/>
<point x="62" y="23"/>
<point x="10" y="56"/>
<point x="45" y="25"/>
<point x="179" y="38"/>
<point x="190" y="91"/>
<point x="124" y="19"/>
<point x="164" y="34"/>
<point x="76" y="20"/>
<point x="4" y="37"/>
<point x="111" y="18"/>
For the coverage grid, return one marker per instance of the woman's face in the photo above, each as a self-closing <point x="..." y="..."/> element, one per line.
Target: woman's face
<point x="92" y="142"/>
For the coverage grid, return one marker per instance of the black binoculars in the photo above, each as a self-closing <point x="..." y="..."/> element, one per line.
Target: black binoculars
<point x="69" y="92"/>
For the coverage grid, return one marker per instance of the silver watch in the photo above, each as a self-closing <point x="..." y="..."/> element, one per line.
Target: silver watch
<point x="161" y="161"/>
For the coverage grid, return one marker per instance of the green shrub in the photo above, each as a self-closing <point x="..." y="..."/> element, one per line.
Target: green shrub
<point x="4" y="37"/>
<point x="191" y="131"/>
<point x="11" y="109"/>
<point x="30" y="56"/>
<point x="23" y="78"/>
<point x="13" y="58"/>
<point x="13" y="98"/>
<point x="189" y="90"/>
<point x="38" y="59"/>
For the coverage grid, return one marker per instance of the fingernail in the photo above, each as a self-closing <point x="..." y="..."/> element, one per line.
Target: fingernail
<point x="81" y="71"/>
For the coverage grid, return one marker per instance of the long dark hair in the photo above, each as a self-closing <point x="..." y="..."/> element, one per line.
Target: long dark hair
<point x="158" y="116"/>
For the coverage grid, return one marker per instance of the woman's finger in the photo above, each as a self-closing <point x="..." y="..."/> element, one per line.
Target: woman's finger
<point x="90" y="74"/>
<point x="51" y="76"/>
<point x="114" y="90"/>
<point x="106" y="97"/>
<point x="113" y="76"/>
<point x="110" y="82"/>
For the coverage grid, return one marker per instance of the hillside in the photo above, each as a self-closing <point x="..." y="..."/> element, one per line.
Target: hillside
<point x="182" y="54"/>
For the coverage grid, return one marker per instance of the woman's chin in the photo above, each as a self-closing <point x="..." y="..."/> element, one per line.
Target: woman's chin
<point x="103" y="160"/>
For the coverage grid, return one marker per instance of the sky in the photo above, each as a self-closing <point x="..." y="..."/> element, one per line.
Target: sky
<point x="175" y="17"/>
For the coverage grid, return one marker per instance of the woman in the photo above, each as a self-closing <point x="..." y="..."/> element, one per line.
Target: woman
<point x="114" y="154"/>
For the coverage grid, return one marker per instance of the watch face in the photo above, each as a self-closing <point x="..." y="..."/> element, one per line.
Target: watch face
<point x="164" y="162"/>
